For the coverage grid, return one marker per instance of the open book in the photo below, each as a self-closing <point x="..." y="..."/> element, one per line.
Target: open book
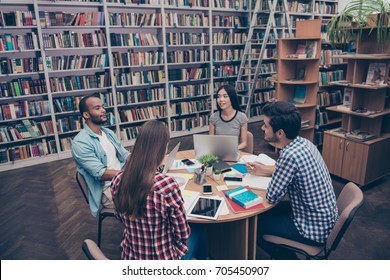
<point x="261" y="158"/>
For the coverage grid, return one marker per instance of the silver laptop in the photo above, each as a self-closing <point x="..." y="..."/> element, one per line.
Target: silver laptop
<point x="171" y="158"/>
<point x="223" y="146"/>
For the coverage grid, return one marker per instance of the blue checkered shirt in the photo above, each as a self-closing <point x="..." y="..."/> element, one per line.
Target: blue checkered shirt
<point x="302" y="173"/>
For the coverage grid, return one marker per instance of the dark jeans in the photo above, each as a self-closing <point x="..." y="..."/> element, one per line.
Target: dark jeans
<point x="197" y="243"/>
<point x="278" y="221"/>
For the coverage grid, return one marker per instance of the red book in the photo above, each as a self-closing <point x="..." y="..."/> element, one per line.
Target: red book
<point x="236" y="208"/>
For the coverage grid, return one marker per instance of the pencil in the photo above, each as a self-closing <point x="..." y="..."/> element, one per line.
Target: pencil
<point x="245" y="161"/>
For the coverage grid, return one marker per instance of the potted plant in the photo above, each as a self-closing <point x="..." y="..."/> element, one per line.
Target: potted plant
<point x="208" y="160"/>
<point x="358" y="15"/>
<point x="217" y="174"/>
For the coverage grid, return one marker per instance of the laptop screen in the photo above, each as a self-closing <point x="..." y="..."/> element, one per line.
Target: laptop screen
<point x="223" y="146"/>
<point x="171" y="158"/>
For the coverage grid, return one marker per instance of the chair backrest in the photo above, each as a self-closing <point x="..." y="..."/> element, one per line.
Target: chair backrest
<point x="82" y="185"/>
<point x="92" y="251"/>
<point x="249" y="143"/>
<point x="348" y="202"/>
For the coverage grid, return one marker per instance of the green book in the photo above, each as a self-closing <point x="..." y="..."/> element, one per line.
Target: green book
<point x="32" y="129"/>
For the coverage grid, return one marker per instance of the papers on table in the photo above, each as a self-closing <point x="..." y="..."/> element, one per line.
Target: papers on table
<point x="261" y="158"/>
<point x="256" y="182"/>
<point x="189" y="198"/>
<point x="181" y="178"/>
<point x="178" y="164"/>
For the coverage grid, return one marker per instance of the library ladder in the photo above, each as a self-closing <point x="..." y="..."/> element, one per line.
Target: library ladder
<point x="246" y="87"/>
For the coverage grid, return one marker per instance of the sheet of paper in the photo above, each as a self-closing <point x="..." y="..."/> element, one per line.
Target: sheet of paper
<point x="189" y="198"/>
<point x="233" y="183"/>
<point x="256" y="182"/>
<point x="181" y="178"/>
<point x="222" y="187"/>
<point x="178" y="164"/>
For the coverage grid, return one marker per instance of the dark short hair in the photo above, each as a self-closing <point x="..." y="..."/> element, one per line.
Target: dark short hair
<point x="283" y="115"/>
<point x="231" y="91"/>
<point x="83" y="103"/>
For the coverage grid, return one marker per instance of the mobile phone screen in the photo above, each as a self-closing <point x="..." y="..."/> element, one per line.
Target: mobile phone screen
<point x="188" y="162"/>
<point x="207" y="189"/>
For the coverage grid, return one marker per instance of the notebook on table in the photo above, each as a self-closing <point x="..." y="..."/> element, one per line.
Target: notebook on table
<point x="225" y="147"/>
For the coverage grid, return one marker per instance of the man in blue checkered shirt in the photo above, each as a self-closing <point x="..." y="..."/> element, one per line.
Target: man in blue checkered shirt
<point x="300" y="172"/>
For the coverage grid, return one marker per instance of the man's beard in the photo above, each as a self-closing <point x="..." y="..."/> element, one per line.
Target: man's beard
<point x="97" y="120"/>
<point x="272" y="139"/>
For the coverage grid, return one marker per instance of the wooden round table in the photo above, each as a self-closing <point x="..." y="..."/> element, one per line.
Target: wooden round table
<point x="231" y="236"/>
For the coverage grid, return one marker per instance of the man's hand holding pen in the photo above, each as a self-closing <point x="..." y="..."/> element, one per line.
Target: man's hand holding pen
<point x="258" y="169"/>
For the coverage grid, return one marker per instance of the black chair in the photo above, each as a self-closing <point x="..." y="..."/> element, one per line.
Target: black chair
<point x="348" y="202"/>
<point x="103" y="212"/>
<point x="92" y="251"/>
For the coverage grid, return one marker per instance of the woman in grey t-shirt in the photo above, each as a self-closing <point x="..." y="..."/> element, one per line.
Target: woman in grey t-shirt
<point x="229" y="120"/>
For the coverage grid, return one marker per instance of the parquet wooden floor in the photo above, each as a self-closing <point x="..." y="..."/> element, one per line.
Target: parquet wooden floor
<point x="44" y="216"/>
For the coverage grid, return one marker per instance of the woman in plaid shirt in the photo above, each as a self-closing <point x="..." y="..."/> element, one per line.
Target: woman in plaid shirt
<point x="148" y="203"/>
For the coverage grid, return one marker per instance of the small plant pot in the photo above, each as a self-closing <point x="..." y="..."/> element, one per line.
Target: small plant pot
<point x="217" y="177"/>
<point x="209" y="171"/>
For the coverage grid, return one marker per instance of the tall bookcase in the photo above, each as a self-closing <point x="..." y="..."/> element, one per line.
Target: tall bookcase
<point x="350" y="156"/>
<point x="301" y="53"/>
<point x="146" y="59"/>
<point x="298" y="11"/>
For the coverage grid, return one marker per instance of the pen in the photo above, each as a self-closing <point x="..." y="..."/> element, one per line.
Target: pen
<point x="244" y="161"/>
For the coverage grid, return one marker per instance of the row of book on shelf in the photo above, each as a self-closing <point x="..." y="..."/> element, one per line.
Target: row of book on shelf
<point x="190" y="123"/>
<point x="20" y="65"/>
<point x="190" y="107"/>
<point x="15" y="42"/>
<point x="329" y="98"/>
<point x="17" y="18"/>
<point x="325" y="77"/>
<point x="72" y="62"/>
<point x="143" y="113"/>
<point x="35" y="149"/>
<point x="136" y="19"/>
<point x="305" y="50"/>
<point x="132" y="58"/>
<point x="92" y="18"/>
<point x="25" y="130"/>
<point x="22" y="86"/>
<point x="24" y="109"/>
<point x="72" y="39"/>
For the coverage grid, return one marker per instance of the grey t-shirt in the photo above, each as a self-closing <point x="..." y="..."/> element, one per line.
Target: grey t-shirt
<point x="230" y="127"/>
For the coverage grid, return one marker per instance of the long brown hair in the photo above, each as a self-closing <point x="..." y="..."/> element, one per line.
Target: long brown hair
<point x="139" y="172"/>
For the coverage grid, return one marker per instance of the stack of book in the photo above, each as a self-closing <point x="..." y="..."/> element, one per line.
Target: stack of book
<point x="359" y="135"/>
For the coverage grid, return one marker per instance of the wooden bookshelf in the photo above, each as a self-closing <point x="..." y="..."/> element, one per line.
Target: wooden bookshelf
<point x="146" y="59"/>
<point x="362" y="161"/>
<point x="288" y="67"/>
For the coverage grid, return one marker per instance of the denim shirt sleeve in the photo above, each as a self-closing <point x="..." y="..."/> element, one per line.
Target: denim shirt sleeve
<point x="86" y="158"/>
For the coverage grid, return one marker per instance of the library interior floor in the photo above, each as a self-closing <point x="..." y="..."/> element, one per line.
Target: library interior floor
<point x="43" y="215"/>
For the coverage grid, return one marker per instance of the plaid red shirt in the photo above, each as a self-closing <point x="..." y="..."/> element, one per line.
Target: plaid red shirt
<point x="162" y="233"/>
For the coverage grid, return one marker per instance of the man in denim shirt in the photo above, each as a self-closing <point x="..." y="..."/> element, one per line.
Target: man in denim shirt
<point x="98" y="153"/>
